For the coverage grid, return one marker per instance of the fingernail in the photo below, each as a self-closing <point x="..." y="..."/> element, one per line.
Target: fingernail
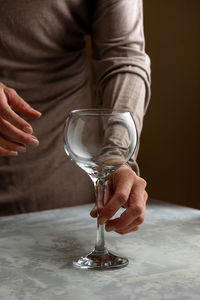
<point x="102" y="220"/>
<point x="21" y="149"/>
<point x="34" y="141"/>
<point x="28" y="129"/>
<point x="13" y="153"/>
<point x="39" y="113"/>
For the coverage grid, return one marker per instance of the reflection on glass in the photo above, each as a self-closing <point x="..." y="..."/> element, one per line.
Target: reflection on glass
<point x="99" y="141"/>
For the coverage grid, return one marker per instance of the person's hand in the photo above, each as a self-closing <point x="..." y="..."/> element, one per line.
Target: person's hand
<point x="15" y="132"/>
<point x="125" y="189"/>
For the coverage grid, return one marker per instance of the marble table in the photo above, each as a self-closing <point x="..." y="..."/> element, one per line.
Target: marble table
<point x="36" y="251"/>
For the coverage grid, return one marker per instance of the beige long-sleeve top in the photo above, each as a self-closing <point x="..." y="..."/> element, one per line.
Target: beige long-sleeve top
<point x="42" y="56"/>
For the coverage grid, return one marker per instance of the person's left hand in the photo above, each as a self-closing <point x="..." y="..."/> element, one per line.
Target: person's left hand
<point x="125" y="189"/>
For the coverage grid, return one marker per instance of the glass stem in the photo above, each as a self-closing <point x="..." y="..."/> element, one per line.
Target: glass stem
<point x="100" y="186"/>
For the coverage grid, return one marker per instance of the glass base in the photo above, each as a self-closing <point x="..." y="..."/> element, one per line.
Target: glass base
<point x="100" y="260"/>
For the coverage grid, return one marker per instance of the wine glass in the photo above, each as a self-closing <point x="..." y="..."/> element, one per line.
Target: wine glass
<point x="100" y="141"/>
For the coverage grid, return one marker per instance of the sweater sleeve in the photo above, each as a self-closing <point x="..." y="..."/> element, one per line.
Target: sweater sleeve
<point x="127" y="92"/>
<point x="121" y="66"/>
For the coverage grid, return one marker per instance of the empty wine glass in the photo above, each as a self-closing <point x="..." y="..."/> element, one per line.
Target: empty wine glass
<point x="99" y="141"/>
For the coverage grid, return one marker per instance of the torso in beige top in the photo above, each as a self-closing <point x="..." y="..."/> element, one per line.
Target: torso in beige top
<point x="42" y="56"/>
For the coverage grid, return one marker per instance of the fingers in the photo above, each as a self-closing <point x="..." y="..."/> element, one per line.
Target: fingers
<point x="4" y="152"/>
<point x="128" y="230"/>
<point x="123" y="181"/>
<point x="122" y="227"/>
<point x="131" y="218"/>
<point x="17" y="135"/>
<point x="129" y="190"/>
<point x="7" y="99"/>
<point x="136" y="203"/>
<point x="94" y="212"/>
<point x="7" y="147"/>
<point x="20" y="105"/>
<point x="15" y="132"/>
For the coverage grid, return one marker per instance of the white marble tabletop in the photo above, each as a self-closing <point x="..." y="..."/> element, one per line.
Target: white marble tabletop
<point x="36" y="251"/>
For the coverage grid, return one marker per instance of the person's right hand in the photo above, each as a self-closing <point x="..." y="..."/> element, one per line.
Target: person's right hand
<point x="15" y="132"/>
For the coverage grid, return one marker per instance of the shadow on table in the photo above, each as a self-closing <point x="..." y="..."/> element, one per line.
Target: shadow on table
<point x="61" y="251"/>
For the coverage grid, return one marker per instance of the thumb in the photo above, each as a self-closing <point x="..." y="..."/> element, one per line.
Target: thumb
<point x="93" y="212"/>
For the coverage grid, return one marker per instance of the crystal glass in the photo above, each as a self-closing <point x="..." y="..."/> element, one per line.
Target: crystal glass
<point x="100" y="141"/>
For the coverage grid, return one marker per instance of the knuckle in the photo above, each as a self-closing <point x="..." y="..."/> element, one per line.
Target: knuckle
<point x="130" y="172"/>
<point x="23" y="105"/>
<point x="11" y="91"/>
<point x="138" y="210"/>
<point x="121" y="198"/>
<point x="142" y="182"/>
<point x="140" y="219"/>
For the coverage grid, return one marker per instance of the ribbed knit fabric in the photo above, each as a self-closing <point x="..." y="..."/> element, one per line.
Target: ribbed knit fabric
<point x="42" y="56"/>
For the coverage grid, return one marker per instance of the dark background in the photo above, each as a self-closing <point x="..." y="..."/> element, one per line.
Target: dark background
<point x="170" y="144"/>
<point x="169" y="156"/>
